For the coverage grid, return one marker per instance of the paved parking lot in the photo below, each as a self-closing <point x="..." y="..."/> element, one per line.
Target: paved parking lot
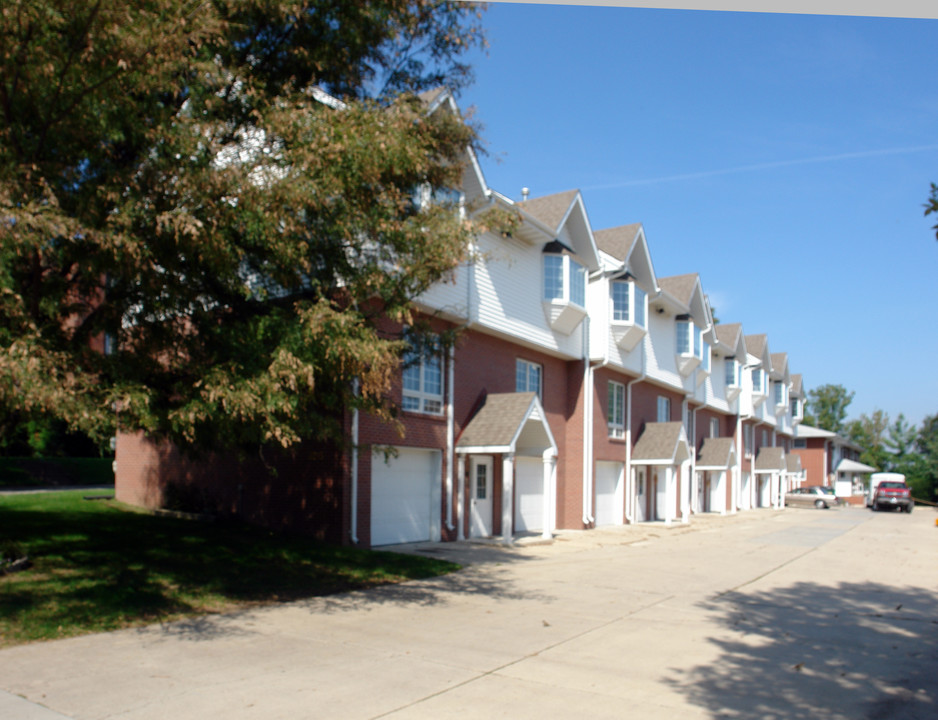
<point x="769" y="614"/>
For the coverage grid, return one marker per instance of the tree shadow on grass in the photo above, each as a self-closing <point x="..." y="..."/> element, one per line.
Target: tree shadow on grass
<point x="97" y="569"/>
<point x="857" y="650"/>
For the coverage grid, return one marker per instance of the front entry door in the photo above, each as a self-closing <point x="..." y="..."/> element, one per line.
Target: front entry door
<point x="480" y="479"/>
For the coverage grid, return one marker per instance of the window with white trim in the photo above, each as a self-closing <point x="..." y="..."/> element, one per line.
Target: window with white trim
<point x="564" y="279"/>
<point x="528" y="376"/>
<point x="714" y="427"/>
<point x="422" y="382"/>
<point x="747" y="439"/>
<point x="732" y="372"/>
<point x="705" y="354"/>
<point x="616" y="411"/>
<point x="758" y="380"/>
<point x="628" y="302"/>
<point x="664" y="409"/>
<point x="683" y="337"/>
<point x="779" y="392"/>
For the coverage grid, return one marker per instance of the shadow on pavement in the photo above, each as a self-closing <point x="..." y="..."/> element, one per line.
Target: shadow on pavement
<point x="808" y="651"/>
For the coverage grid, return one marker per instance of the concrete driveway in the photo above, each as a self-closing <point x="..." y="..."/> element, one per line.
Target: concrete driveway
<point x="768" y="614"/>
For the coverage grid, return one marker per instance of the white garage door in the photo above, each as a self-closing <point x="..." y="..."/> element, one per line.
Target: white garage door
<point x="404" y="493"/>
<point x="608" y="479"/>
<point x="529" y="494"/>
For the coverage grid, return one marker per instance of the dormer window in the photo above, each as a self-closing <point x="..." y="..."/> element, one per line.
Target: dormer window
<point x="795" y="407"/>
<point x="629" y="303"/>
<point x="564" y="289"/>
<point x="564" y="279"/>
<point x="733" y="372"/>
<point x="758" y="381"/>
<point x="692" y="350"/>
<point x="779" y="391"/>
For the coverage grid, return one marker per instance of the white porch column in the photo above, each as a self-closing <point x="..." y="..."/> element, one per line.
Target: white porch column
<point x="460" y="495"/>
<point x="508" y="476"/>
<point x="669" y="492"/>
<point x="548" y="496"/>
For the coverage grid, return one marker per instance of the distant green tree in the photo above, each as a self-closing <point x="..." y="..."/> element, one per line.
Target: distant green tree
<point x="926" y="485"/>
<point x="826" y="407"/>
<point x="932" y="206"/>
<point x="901" y="443"/>
<point x="869" y="432"/>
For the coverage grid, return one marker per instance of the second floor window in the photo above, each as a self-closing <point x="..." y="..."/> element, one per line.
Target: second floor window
<point x="664" y="409"/>
<point x="714" y="427"/>
<point x="779" y="391"/>
<point x="732" y="373"/>
<point x="564" y="279"/>
<point x="628" y="303"/>
<point x="747" y="439"/>
<point x="683" y="337"/>
<point x="616" y="412"/>
<point x="527" y="377"/>
<point x="757" y="380"/>
<point x="422" y="383"/>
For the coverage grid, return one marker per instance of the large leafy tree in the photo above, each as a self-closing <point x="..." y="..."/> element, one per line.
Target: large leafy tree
<point x="826" y="407"/>
<point x="869" y="432"/>
<point x="174" y="190"/>
<point x="925" y="484"/>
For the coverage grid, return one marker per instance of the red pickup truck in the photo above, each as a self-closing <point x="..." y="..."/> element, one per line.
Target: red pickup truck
<point x="892" y="494"/>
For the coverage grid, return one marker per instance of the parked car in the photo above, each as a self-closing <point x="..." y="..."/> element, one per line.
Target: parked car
<point x="814" y="496"/>
<point x="893" y="494"/>
<point x="876" y="479"/>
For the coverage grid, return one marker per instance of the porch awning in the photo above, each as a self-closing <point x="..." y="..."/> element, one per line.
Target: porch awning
<point x="661" y="444"/>
<point x="852" y="466"/>
<point x="716" y="453"/>
<point x="771" y="460"/>
<point x="508" y="423"/>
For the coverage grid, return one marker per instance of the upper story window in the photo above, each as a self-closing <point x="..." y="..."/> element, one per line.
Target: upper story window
<point x="714" y="427"/>
<point x="733" y="372"/>
<point x="664" y="409"/>
<point x="528" y="377"/>
<point x="690" y="341"/>
<point x="616" y="412"/>
<point x="564" y="279"/>
<point x="795" y="406"/>
<point x="758" y="381"/>
<point x="628" y="303"/>
<point x="683" y="337"/>
<point x="801" y="443"/>
<point x="779" y="392"/>
<point x="765" y="438"/>
<point x="422" y="382"/>
<point x="747" y="439"/>
<point x="704" y="354"/>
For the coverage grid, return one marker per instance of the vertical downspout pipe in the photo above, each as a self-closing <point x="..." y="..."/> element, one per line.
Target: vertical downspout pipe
<point x="587" y="428"/>
<point x="450" y="438"/>
<point x="353" y="527"/>
<point x="630" y="483"/>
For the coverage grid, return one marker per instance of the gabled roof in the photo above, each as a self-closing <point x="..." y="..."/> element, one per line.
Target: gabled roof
<point x="780" y="366"/>
<point x="793" y="463"/>
<point x="565" y="214"/>
<point x="847" y="465"/>
<point x="758" y="347"/>
<point x="797" y="387"/>
<point x="550" y="210"/>
<point x="731" y="336"/>
<point x="688" y="292"/>
<point x="618" y="241"/>
<point x="627" y="244"/>
<point x="770" y="459"/>
<point x="661" y="444"/>
<point x="717" y="453"/>
<point x="508" y="422"/>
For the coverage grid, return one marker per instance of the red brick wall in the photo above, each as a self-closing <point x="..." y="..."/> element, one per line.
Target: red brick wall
<point x="305" y="494"/>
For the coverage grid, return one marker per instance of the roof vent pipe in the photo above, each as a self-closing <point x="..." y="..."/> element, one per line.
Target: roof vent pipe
<point x="524" y="194"/>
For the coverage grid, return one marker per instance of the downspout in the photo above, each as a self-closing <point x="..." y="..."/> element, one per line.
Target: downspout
<point x="450" y="438"/>
<point x="630" y="481"/>
<point x="353" y="527"/>
<point x="588" y="518"/>
<point x="695" y="490"/>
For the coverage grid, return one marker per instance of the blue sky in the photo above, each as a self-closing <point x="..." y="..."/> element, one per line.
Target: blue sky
<point x="785" y="158"/>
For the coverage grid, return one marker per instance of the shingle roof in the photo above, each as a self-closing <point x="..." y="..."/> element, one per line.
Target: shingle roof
<point x="793" y="463"/>
<point x="715" y="452"/>
<point x="428" y="96"/>
<point x="679" y="286"/>
<point x="617" y="241"/>
<point x="728" y="334"/>
<point x="779" y="362"/>
<point x="796" y="384"/>
<point x="659" y="441"/>
<point x="770" y="459"/>
<point x="755" y="345"/>
<point x="549" y="209"/>
<point x="497" y="423"/>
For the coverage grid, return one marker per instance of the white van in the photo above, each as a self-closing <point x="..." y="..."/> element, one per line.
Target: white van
<point x="876" y="479"/>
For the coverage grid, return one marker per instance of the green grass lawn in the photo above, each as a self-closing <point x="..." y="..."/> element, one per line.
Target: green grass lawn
<point x="99" y="567"/>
